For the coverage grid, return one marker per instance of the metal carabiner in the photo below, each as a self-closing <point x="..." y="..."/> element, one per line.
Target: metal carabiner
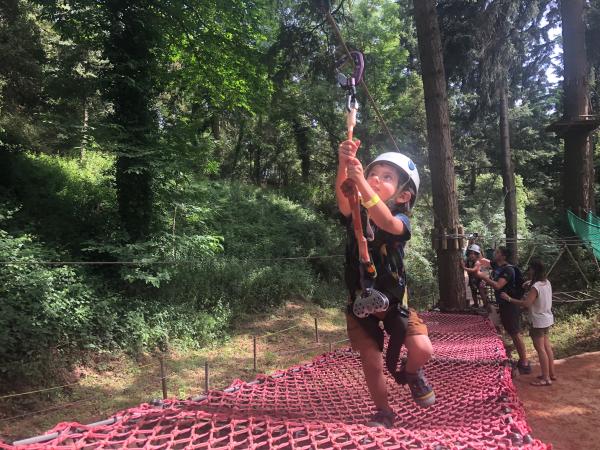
<point x="351" y="101"/>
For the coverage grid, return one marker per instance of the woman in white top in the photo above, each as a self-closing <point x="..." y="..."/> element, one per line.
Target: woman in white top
<point x="539" y="302"/>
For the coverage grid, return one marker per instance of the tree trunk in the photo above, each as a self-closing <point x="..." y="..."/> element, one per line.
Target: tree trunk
<point x="256" y="157"/>
<point x="236" y="153"/>
<point x="578" y="173"/>
<point x="473" y="183"/>
<point x="129" y="49"/>
<point x="84" y="130"/>
<point x="302" y="147"/>
<point x="215" y="125"/>
<point x="508" y="178"/>
<point x="441" y="163"/>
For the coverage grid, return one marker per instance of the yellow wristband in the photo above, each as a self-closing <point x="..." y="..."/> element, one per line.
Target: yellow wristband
<point x="374" y="200"/>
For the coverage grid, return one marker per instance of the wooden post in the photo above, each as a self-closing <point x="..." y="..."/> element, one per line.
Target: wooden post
<point x="163" y="378"/>
<point x="316" y="331"/>
<point x="461" y="240"/>
<point x="455" y="241"/>
<point x="206" y="379"/>
<point x="254" y="351"/>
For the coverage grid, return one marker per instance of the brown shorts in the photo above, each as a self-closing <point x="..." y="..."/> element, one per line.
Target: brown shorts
<point x="538" y="332"/>
<point x="360" y="338"/>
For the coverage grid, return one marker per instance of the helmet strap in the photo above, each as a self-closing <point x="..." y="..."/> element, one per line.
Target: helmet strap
<point x="401" y="189"/>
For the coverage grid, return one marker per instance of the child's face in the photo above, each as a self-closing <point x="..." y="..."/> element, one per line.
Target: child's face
<point x="384" y="180"/>
<point x="473" y="256"/>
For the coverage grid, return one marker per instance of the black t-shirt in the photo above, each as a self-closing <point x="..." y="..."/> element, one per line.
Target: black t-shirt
<point x="386" y="252"/>
<point x="508" y="273"/>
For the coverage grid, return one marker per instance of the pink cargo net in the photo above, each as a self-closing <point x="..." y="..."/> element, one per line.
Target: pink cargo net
<point x="325" y="405"/>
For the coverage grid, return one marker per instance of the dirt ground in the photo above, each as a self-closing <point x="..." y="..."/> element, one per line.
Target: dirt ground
<point x="567" y="413"/>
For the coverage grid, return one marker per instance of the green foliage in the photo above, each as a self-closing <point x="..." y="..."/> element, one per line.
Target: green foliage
<point x="69" y="200"/>
<point x="483" y="210"/>
<point x="215" y="255"/>
<point x="575" y="331"/>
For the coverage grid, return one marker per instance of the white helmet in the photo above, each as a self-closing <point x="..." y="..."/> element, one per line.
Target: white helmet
<point x="405" y="164"/>
<point x="474" y="248"/>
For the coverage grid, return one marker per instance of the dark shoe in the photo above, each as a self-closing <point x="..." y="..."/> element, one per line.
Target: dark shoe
<point x="382" y="419"/>
<point x="421" y="390"/>
<point x="400" y="377"/>
<point x="524" y="369"/>
<point x="542" y="382"/>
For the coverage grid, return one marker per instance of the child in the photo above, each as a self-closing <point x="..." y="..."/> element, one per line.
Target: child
<point x="388" y="192"/>
<point x="476" y="263"/>
<point x="539" y="302"/>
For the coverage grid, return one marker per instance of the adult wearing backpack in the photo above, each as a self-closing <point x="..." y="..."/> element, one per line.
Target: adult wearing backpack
<point x="507" y="278"/>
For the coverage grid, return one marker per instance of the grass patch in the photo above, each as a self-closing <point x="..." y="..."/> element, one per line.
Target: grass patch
<point x="118" y="382"/>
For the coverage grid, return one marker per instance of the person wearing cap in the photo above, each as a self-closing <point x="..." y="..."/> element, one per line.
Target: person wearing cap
<point x="388" y="188"/>
<point x="476" y="263"/>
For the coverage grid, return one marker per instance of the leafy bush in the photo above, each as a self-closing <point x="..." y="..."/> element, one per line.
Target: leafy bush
<point x="218" y="251"/>
<point x="576" y="330"/>
<point x="65" y="201"/>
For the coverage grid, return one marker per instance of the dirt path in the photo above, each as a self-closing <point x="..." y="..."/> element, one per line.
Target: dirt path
<point x="567" y="413"/>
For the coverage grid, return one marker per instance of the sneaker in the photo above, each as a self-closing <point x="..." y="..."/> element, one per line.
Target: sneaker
<point x="524" y="369"/>
<point x="421" y="390"/>
<point x="382" y="419"/>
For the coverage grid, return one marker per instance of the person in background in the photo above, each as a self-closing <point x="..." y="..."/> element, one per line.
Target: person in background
<point x="503" y="280"/>
<point x="539" y="303"/>
<point x="476" y="263"/>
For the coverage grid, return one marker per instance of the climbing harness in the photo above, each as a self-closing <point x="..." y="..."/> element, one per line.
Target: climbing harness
<point x="374" y="302"/>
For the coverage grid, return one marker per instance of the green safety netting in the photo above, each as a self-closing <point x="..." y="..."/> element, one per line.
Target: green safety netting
<point x="592" y="218"/>
<point x="587" y="230"/>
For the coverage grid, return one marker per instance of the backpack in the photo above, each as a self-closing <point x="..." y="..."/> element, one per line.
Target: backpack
<point x="517" y="290"/>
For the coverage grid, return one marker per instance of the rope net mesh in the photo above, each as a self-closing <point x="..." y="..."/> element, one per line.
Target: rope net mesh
<point x="325" y="405"/>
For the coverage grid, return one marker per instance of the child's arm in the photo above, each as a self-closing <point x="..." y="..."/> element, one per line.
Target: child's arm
<point x="346" y="150"/>
<point x="379" y="212"/>
<point x="473" y="269"/>
<point x="496" y="285"/>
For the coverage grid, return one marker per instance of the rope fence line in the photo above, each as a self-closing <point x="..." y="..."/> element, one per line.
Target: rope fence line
<point x="20" y="394"/>
<point x="568" y="241"/>
<point x="3" y="397"/>
<point x="274" y="333"/>
<point x="149" y="263"/>
<point x="52" y="408"/>
<point x="146" y="387"/>
<point x="162" y="378"/>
